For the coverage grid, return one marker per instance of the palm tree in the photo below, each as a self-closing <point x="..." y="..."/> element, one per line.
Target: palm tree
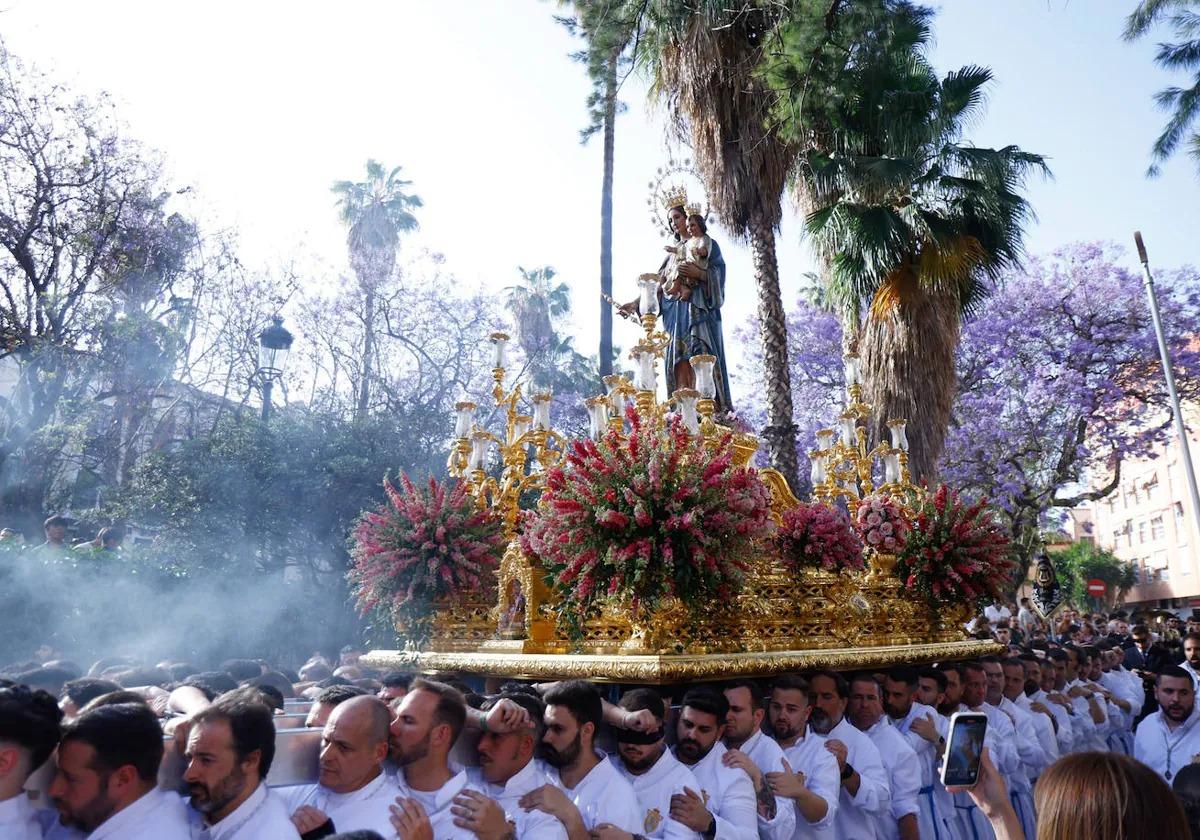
<point x="535" y="303"/>
<point x="1184" y="54"/>
<point x="376" y="211"/>
<point x="702" y="57"/>
<point x="913" y="224"/>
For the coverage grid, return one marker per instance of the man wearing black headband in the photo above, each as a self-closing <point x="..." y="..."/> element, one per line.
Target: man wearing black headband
<point x="655" y="774"/>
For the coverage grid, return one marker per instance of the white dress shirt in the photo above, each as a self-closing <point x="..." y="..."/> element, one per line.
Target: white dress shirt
<point x="654" y="790"/>
<point x="994" y="613"/>
<point x="437" y="803"/>
<point x="1165" y="751"/>
<point x="729" y="796"/>
<point x="767" y="756"/>
<point x="856" y="814"/>
<point x="364" y="809"/>
<point x="603" y="796"/>
<point x="822" y="778"/>
<point x="904" y="777"/>
<point x="1045" y="731"/>
<point x="531" y="825"/>
<point x="156" y="815"/>
<point x="1064" y="733"/>
<point x="262" y="815"/>
<point x="937" y="817"/>
<point x="19" y="819"/>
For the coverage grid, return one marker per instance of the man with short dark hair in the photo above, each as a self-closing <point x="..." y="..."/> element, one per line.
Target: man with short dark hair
<point x="507" y="770"/>
<point x="55" y="547"/>
<point x="106" y="781"/>
<point x="865" y="711"/>
<point x="651" y="769"/>
<point x="242" y="669"/>
<point x="350" y="654"/>
<point x="925" y="731"/>
<point x="78" y="693"/>
<point x="1169" y="739"/>
<point x="750" y="749"/>
<point x="725" y="804"/>
<point x="864" y="790"/>
<point x="327" y="701"/>
<point x="29" y="729"/>
<point x="809" y="778"/>
<point x="352" y="791"/>
<point x="587" y="791"/>
<point x="394" y="685"/>
<point x="229" y="752"/>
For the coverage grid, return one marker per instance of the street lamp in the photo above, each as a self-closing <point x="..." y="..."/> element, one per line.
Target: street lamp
<point x="274" y="342"/>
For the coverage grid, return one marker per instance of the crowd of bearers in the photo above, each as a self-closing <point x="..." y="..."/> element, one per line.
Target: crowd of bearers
<point x="821" y="754"/>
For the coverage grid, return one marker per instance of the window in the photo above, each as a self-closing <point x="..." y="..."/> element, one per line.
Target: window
<point x="1157" y="529"/>
<point x="1134" y="495"/>
<point x="1152" y="488"/>
<point x="1142" y="531"/>
<point x="1116" y="539"/>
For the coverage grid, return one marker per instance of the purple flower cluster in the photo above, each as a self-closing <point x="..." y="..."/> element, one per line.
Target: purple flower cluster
<point x="882" y="524"/>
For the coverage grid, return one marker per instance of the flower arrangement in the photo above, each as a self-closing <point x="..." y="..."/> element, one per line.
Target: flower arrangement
<point x="424" y="545"/>
<point x="955" y="551"/>
<point x="648" y="517"/>
<point x="818" y="536"/>
<point x="882" y="524"/>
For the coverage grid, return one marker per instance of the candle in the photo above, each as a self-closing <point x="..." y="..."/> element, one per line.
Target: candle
<point x="850" y="369"/>
<point x="519" y="427"/>
<point x="703" y="366"/>
<point x="891" y="468"/>
<point x="899" y="435"/>
<point x="479" y="450"/>
<point x="499" y="342"/>
<point x="648" y="294"/>
<point x="685" y="399"/>
<point x="849" y="430"/>
<point x="647" y="373"/>
<point x="825" y="439"/>
<point x="617" y="398"/>
<point x="541" y="411"/>
<point x="818" y="468"/>
<point x="597" y="408"/>
<point x="464" y="419"/>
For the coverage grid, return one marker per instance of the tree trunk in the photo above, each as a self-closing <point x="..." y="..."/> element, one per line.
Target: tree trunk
<point x="780" y="432"/>
<point x="908" y="372"/>
<point x="364" y="385"/>
<point x="606" y="217"/>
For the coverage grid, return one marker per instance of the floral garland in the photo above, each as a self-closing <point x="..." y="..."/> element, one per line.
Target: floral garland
<point x="425" y="545"/>
<point x="955" y="552"/>
<point x="646" y="518"/>
<point x="882" y="524"/>
<point x="818" y="536"/>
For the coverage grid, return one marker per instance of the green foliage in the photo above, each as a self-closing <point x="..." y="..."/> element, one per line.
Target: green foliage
<point x="1084" y="561"/>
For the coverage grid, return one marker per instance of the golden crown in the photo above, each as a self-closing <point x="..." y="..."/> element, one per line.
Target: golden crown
<point x="674" y="197"/>
<point x="693" y="210"/>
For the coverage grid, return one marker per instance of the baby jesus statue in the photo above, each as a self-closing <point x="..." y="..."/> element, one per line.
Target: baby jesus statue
<point x="695" y="249"/>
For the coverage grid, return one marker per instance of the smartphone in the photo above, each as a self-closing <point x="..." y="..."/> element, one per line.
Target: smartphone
<point x="964" y="749"/>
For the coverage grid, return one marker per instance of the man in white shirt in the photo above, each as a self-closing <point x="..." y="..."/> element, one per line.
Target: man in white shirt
<point x="1000" y="741"/>
<point x="865" y="794"/>
<point x="507" y="771"/>
<point x="429" y="719"/>
<point x="725" y="804"/>
<point x="809" y="778"/>
<point x="1026" y="619"/>
<point x="1191" y="656"/>
<point x="655" y="774"/>
<point x="229" y="752"/>
<point x="106" y="782"/>
<point x="925" y="731"/>
<point x="1030" y="752"/>
<point x="352" y="792"/>
<point x="1091" y="716"/>
<point x="749" y="748"/>
<point x="29" y="722"/>
<point x="865" y="711"/>
<point x="994" y="612"/>
<point x="586" y="790"/>
<point x="1170" y="738"/>
<point x="1019" y="679"/>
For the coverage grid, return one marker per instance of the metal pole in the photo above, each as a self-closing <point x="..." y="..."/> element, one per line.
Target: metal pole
<point x="1180" y="429"/>
<point x="266" y="411"/>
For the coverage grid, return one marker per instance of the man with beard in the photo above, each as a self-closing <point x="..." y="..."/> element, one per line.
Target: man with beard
<point x="952" y="690"/>
<point x="865" y="711"/>
<point x="724" y="805"/>
<point x="507" y="771"/>
<point x="229" y="752"/>
<point x="1044" y="695"/>
<point x="813" y="783"/>
<point x="352" y="791"/>
<point x="650" y="768"/>
<point x="1030" y="746"/>
<point x="751" y="750"/>
<point x="999" y="740"/>
<point x="864" y="792"/>
<point x="1191" y="656"/>
<point x="925" y="731"/>
<point x="1170" y="738"/>
<point x="428" y="721"/>
<point x="106" y="782"/>
<point x="1090" y="718"/>
<point x="586" y="790"/>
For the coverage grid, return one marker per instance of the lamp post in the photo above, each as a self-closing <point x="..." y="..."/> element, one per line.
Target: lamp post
<point x="274" y="342"/>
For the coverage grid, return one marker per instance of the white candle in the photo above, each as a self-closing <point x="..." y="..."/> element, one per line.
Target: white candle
<point x="499" y="342"/>
<point x="479" y="450"/>
<point x="818" y="469"/>
<point x="520" y="426"/>
<point x="647" y="373"/>
<point x="541" y="411"/>
<point x="464" y="419"/>
<point x="849" y="431"/>
<point x="899" y="435"/>
<point x="891" y="468"/>
<point x="703" y="366"/>
<point x="597" y="408"/>
<point x="685" y="399"/>
<point x="850" y="369"/>
<point x="825" y="439"/>
<point x="648" y="290"/>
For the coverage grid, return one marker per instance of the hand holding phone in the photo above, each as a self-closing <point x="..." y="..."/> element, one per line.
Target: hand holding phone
<point x="964" y="749"/>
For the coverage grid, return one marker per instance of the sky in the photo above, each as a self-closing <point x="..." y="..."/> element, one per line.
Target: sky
<point x="260" y="106"/>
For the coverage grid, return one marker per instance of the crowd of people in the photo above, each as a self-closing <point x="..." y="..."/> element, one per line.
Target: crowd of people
<point x="1092" y="737"/>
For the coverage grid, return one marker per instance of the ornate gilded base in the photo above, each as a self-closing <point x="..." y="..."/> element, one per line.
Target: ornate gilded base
<point x="665" y="670"/>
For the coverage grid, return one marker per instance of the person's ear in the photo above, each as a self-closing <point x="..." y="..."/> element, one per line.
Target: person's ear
<point x="10" y="757"/>
<point x="124" y="776"/>
<point x="588" y="731"/>
<point x="252" y="761"/>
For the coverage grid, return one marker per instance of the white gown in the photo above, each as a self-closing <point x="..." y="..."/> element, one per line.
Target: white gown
<point x="856" y="814"/>
<point x="821" y="776"/>
<point x="603" y="796"/>
<point x="654" y="790"/>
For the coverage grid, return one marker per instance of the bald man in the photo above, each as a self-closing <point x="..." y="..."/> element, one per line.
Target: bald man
<point x="353" y="793"/>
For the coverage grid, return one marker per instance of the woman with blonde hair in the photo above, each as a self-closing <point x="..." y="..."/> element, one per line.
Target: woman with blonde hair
<point x="1086" y="796"/>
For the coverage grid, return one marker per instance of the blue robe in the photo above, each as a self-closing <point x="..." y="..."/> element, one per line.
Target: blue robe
<point x="695" y="327"/>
